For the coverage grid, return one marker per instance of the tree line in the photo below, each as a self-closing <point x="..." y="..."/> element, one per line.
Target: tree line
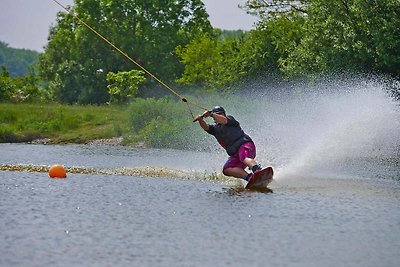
<point x="174" y="40"/>
<point x="18" y="61"/>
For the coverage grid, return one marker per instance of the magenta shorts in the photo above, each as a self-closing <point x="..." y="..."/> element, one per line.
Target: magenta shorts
<point x="246" y="150"/>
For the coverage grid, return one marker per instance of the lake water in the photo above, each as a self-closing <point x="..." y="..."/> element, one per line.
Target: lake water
<point x="335" y="199"/>
<point x="192" y="220"/>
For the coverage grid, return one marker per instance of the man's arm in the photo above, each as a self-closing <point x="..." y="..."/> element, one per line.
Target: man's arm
<point x="201" y="121"/>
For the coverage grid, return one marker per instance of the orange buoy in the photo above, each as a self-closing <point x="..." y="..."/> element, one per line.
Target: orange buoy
<point x="57" y="171"/>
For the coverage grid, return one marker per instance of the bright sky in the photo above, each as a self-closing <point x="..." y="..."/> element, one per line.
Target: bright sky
<point x="25" y="23"/>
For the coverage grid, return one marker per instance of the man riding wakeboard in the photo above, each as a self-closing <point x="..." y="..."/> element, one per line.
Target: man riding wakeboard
<point x="239" y="146"/>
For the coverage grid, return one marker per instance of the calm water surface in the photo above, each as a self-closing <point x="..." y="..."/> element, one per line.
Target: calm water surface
<point x="114" y="220"/>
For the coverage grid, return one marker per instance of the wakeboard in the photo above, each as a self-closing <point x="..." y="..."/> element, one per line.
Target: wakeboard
<point x="260" y="179"/>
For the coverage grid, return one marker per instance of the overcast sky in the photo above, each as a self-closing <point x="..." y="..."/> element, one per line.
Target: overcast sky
<point x="25" y="23"/>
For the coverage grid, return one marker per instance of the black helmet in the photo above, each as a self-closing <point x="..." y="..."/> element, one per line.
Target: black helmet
<point x="218" y="109"/>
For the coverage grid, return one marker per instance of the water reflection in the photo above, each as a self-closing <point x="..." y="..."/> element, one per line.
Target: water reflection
<point x="238" y="191"/>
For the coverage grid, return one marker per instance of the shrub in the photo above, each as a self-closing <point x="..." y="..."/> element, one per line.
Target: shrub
<point x="7" y="135"/>
<point x="124" y="85"/>
<point x="163" y="123"/>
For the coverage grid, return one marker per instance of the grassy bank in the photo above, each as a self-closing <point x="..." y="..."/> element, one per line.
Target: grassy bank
<point x="61" y="123"/>
<point x="157" y="123"/>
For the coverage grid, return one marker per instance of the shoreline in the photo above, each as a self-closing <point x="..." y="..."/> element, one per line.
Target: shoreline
<point x="115" y="141"/>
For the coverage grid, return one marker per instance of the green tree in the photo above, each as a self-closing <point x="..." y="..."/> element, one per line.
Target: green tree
<point x="200" y="58"/>
<point x="19" y="89"/>
<point x="336" y="36"/>
<point x="261" y="51"/>
<point x="124" y="85"/>
<point x="27" y="89"/>
<point x="351" y="35"/>
<point x="7" y="86"/>
<point x="223" y="61"/>
<point x="148" y="31"/>
<point x="58" y="65"/>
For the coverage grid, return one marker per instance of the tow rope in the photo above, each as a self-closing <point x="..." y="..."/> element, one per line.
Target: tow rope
<point x="184" y="99"/>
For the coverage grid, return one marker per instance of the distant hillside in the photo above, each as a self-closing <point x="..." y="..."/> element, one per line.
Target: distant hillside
<point x="16" y="60"/>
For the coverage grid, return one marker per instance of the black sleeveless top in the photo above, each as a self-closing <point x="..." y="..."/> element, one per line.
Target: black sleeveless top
<point x="230" y="136"/>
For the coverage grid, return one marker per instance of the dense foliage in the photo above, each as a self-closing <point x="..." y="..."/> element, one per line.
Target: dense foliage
<point x="339" y="35"/>
<point x="300" y="39"/>
<point x="20" y="89"/>
<point x="163" y="123"/>
<point x="353" y="35"/>
<point x="215" y="60"/>
<point x="124" y="85"/>
<point x="148" y="31"/>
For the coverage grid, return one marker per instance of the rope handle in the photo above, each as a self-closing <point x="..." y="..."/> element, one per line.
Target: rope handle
<point x="202" y="116"/>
